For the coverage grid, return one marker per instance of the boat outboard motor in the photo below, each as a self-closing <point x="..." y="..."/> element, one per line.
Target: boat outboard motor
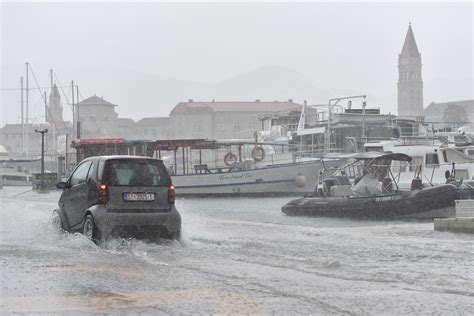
<point x="416" y="184"/>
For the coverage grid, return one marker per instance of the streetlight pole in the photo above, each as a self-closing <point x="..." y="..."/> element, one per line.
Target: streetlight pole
<point x="42" y="132"/>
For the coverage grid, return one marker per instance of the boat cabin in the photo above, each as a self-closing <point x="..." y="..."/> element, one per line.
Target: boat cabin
<point x="434" y="163"/>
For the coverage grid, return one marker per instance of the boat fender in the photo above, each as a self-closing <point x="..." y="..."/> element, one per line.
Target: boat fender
<point x="230" y="159"/>
<point x="300" y="181"/>
<point x="258" y="153"/>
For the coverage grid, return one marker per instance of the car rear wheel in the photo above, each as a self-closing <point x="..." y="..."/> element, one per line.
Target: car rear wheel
<point x="90" y="230"/>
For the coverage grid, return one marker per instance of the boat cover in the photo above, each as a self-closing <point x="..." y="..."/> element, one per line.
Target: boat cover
<point x="370" y="155"/>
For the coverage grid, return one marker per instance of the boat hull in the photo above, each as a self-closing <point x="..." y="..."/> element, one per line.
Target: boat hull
<point x="435" y="202"/>
<point x="275" y="180"/>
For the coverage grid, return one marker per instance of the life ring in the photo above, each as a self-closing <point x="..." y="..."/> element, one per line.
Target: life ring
<point x="258" y="153"/>
<point x="230" y="159"/>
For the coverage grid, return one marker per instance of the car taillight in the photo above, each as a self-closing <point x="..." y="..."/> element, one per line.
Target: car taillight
<point x="103" y="193"/>
<point x="171" y="194"/>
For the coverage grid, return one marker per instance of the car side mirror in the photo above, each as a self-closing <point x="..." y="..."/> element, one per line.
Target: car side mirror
<point x="62" y="185"/>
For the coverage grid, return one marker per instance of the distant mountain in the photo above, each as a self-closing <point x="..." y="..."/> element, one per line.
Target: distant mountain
<point x="270" y="83"/>
<point x="140" y="94"/>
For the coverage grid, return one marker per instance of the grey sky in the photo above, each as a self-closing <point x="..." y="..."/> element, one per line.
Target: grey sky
<point x="349" y="46"/>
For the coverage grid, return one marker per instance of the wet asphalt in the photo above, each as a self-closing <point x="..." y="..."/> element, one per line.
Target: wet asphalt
<point x="237" y="256"/>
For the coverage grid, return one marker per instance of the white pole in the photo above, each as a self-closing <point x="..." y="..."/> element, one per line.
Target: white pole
<point x="27" y="119"/>
<point x="22" y="118"/>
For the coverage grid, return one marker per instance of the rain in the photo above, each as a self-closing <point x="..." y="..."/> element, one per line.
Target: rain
<point x="236" y="158"/>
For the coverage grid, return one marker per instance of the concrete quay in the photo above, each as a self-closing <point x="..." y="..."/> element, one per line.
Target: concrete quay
<point x="462" y="223"/>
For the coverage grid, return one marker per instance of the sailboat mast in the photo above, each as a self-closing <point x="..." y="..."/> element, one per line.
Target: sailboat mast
<point x="22" y="117"/>
<point x="78" y="114"/>
<point x="74" y="127"/>
<point x="26" y="108"/>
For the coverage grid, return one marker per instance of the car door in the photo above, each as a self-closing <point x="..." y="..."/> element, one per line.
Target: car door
<point x="76" y="197"/>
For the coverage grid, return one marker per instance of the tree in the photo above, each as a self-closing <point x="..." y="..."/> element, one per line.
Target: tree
<point x="454" y="113"/>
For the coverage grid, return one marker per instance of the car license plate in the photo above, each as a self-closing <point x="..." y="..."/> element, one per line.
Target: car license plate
<point x="138" y="196"/>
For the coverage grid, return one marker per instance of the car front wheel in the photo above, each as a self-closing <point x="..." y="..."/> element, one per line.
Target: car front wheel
<point x="57" y="222"/>
<point x="90" y="230"/>
<point x="175" y="236"/>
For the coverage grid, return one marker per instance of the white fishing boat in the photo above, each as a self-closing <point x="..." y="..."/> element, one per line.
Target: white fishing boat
<point x="432" y="161"/>
<point x="13" y="177"/>
<point x="233" y="167"/>
<point x="213" y="168"/>
<point x="13" y="172"/>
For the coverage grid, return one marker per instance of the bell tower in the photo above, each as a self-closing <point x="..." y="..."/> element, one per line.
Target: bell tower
<point x="55" y="112"/>
<point x="410" y="83"/>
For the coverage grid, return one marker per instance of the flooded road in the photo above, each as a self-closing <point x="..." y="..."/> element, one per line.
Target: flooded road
<point x="237" y="256"/>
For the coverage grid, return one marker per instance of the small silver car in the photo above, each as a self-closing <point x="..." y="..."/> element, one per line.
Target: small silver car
<point x="126" y="196"/>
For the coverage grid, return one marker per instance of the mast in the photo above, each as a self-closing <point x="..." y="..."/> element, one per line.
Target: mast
<point x="46" y="108"/>
<point x="27" y="119"/>
<point x="45" y="141"/>
<point x="73" y="112"/>
<point x="51" y="78"/>
<point x="78" y="113"/>
<point x="22" y="117"/>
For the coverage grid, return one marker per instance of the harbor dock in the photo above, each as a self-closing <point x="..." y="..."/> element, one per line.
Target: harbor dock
<point x="462" y="223"/>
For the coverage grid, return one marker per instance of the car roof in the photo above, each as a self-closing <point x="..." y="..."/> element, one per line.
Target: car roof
<point x="120" y="157"/>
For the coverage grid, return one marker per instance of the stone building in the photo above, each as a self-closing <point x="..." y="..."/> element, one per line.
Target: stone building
<point x="435" y="114"/>
<point x="98" y="118"/>
<point x="153" y="128"/>
<point x="410" y="83"/>
<point x="221" y="120"/>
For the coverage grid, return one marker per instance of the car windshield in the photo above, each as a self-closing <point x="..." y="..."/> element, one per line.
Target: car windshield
<point x="135" y="172"/>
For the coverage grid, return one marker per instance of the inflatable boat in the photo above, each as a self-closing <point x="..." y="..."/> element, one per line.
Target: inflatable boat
<point x="340" y="194"/>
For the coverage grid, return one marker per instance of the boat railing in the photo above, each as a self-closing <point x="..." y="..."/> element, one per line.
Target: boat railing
<point x="214" y="161"/>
